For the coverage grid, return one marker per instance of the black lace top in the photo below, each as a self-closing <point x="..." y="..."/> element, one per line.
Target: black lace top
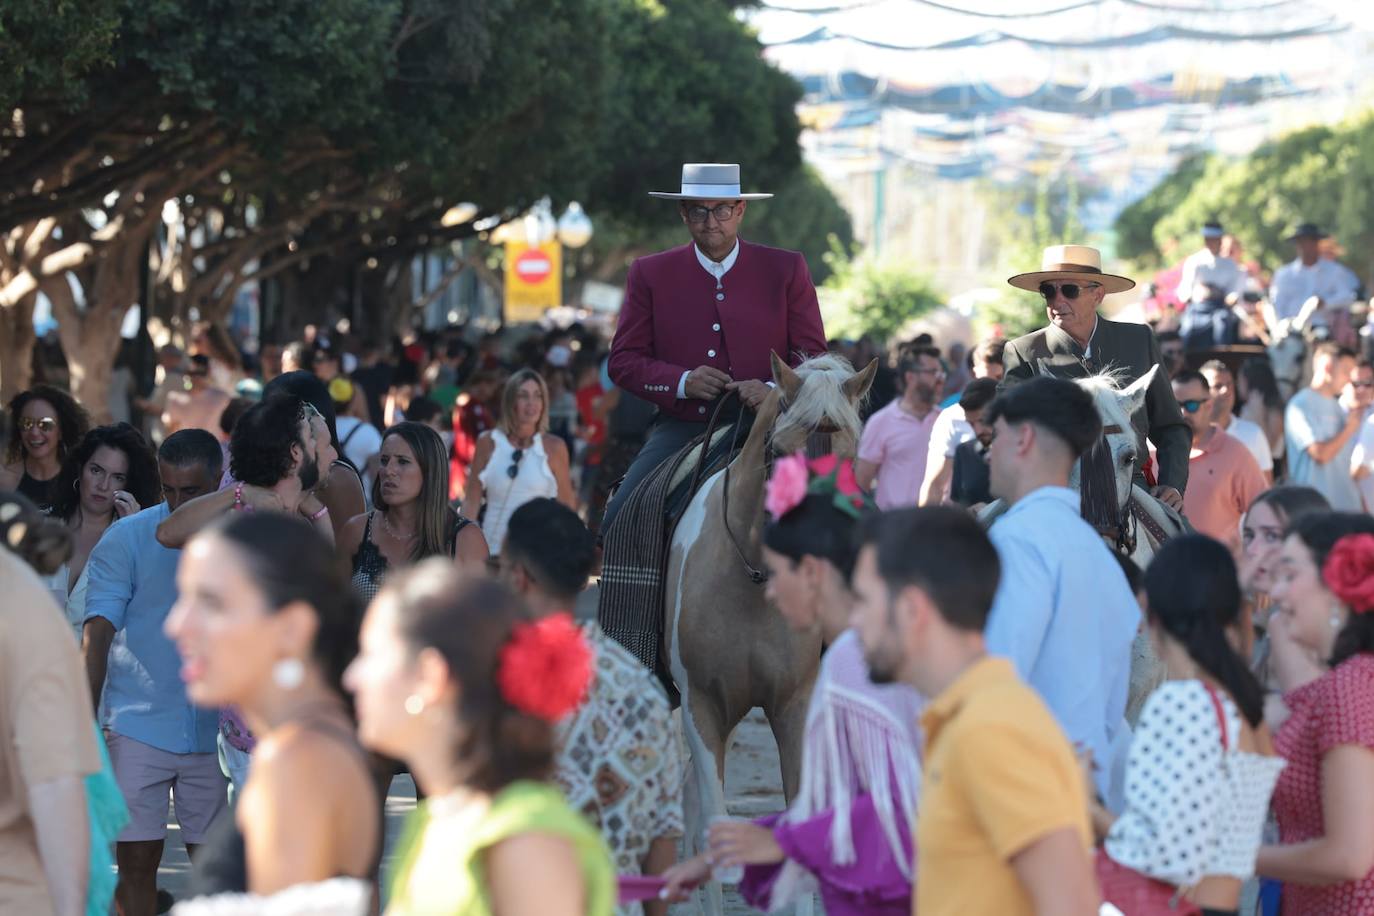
<point x="369" y="566"/>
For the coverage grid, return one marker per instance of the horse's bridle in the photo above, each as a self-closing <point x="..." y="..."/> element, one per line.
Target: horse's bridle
<point x="1130" y="516"/>
<point x="756" y="575"/>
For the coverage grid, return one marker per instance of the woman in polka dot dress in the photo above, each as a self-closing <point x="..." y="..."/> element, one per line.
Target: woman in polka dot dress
<point x="1325" y="798"/>
<point x="1201" y="767"/>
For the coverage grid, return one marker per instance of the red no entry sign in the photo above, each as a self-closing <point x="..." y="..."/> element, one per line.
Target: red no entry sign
<point x="533" y="266"/>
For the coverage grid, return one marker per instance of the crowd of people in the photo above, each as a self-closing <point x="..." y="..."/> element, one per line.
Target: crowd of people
<point x="279" y="582"/>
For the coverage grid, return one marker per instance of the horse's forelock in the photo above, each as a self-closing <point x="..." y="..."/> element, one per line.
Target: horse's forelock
<point x="1105" y="389"/>
<point x="820" y="401"/>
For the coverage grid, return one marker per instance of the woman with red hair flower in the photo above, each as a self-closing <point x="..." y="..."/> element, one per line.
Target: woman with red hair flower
<point x="458" y="679"/>
<point x="1324" y="801"/>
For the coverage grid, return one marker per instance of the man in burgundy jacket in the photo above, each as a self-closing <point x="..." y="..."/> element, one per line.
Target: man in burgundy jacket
<point x="701" y="320"/>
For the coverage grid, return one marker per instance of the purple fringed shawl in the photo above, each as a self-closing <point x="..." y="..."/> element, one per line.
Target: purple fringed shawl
<point x="847" y="833"/>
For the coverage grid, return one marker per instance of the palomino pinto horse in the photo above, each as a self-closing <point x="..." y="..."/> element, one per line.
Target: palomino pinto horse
<point x="729" y="649"/>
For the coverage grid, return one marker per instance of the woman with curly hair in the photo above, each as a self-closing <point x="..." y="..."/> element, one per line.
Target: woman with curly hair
<point x="111" y="474"/>
<point x="48" y="424"/>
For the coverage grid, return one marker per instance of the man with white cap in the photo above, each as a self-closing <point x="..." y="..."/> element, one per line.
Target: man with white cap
<point x="1078" y="342"/>
<point x="1208" y="275"/>
<point x="701" y="319"/>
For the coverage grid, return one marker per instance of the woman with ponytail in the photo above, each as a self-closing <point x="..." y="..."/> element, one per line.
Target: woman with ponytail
<point x="457" y="678"/>
<point x="266" y="622"/>
<point x="1200" y="769"/>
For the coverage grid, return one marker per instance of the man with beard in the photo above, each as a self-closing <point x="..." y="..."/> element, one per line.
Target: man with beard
<point x="896" y="440"/>
<point x="279" y="452"/>
<point x="1002" y="826"/>
<point x="970" y="483"/>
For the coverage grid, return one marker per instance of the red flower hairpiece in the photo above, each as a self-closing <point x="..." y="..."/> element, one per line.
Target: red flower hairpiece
<point x="545" y="668"/>
<point x="1349" y="572"/>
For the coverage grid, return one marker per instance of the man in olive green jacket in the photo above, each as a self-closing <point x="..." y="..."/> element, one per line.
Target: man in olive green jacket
<point x="1078" y="343"/>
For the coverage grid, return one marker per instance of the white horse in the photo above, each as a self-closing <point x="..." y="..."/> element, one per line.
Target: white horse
<point x="1131" y="520"/>
<point x="1289" y="349"/>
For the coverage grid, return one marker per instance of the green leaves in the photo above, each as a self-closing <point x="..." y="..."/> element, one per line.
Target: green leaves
<point x="1322" y="174"/>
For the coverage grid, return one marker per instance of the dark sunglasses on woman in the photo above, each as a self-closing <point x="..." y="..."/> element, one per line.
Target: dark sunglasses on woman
<point x="513" y="471"/>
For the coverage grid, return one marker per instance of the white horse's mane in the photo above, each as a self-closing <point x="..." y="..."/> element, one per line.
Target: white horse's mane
<point x="1105" y="388"/>
<point x="822" y="398"/>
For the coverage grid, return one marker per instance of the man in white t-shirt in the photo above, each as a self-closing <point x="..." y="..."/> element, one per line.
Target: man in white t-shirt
<point x="951" y="429"/>
<point x="1223" y="389"/>
<point x="1207" y="274"/>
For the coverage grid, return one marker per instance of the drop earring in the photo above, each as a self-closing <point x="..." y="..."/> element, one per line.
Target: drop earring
<point x="289" y="673"/>
<point x="1335" y="616"/>
<point x="415" y="704"/>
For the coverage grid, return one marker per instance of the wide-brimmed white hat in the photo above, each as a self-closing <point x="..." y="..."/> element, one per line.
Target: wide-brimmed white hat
<point x="709" y="181"/>
<point x="1071" y="262"/>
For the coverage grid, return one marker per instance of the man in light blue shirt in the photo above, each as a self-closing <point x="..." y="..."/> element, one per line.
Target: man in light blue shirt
<point x="160" y="744"/>
<point x="1063" y="614"/>
<point x="1321" y="434"/>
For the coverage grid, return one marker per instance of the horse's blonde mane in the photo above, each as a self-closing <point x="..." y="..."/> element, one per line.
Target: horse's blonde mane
<point x="821" y="399"/>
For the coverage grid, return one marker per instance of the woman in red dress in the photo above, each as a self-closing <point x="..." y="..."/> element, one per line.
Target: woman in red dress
<point x="1324" y="800"/>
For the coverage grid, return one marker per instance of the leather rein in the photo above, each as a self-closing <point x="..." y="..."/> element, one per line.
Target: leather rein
<point x="1125" y="534"/>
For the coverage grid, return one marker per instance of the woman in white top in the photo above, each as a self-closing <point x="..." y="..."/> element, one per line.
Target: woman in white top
<point x="1201" y="766"/>
<point x="518" y="461"/>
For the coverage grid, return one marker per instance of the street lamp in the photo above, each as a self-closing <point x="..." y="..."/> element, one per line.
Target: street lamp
<point x="574" y="226"/>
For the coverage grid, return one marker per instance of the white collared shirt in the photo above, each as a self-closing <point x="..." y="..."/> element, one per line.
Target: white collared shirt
<point x="717" y="269"/>
<point x="1204" y="267"/>
<point x="1295" y="282"/>
<point x="1088" y="350"/>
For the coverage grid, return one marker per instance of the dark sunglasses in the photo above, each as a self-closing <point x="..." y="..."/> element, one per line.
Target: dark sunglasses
<point x="44" y="424"/>
<point x="514" y="470"/>
<point x="1070" y="290"/>
<point x="1193" y="405"/>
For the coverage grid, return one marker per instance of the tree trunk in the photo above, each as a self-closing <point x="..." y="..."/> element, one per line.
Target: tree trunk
<point x="16" y="347"/>
<point x="91" y="337"/>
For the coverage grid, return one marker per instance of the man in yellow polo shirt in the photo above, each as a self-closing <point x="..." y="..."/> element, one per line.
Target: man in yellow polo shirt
<point x="1003" y="823"/>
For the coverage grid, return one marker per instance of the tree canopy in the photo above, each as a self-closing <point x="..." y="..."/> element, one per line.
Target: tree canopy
<point x="1321" y="174"/>
<point x="234" y="140"/>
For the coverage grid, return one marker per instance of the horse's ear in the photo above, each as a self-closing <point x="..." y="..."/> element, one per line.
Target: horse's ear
<point x="857" y="385"/>
<point x="785" y="378"/>
<point x="1305" y="313"/>
<point x="1133" y="395"/>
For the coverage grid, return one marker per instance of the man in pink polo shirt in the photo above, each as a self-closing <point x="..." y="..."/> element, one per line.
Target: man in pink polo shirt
<point x="1223" y="477"/>
<point x="896" y="439"/>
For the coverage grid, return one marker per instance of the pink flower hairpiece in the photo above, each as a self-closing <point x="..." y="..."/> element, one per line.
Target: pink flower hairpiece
<point x="794" y="478"/>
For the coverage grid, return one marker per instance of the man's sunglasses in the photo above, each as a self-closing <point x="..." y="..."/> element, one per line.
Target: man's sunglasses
<point x="1070" y="291"/>
<point x="514" y="470"/>
<point x="1193" y="405"/>
<point x="698" y="213"/>
<point x="44" y="424"/>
